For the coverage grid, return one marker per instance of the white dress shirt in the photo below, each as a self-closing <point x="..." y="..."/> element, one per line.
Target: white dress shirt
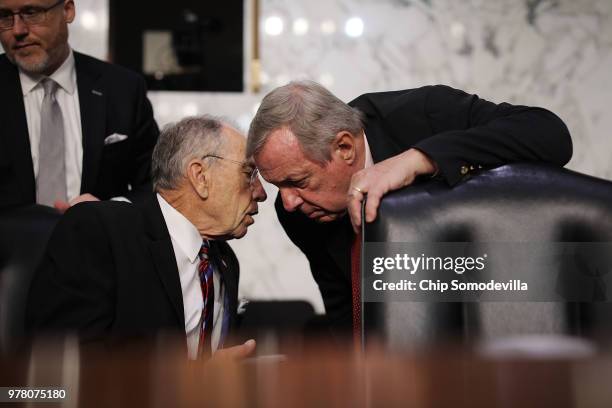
<point x="369" y="161"/>
<point x="186" y="242"/>
<point x="67" y="97"/>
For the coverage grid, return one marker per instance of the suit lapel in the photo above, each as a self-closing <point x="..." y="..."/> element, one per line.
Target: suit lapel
<point x="339" y="239"/>
<point x="14" y="132"/>
<point x="165" y="264"/>
<point x="162" y="253"/>
<point x="227" y="268"/>
<point x="92" y="101"/>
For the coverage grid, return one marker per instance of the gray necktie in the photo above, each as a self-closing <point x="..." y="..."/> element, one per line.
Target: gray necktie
<point x="51" y="181"/>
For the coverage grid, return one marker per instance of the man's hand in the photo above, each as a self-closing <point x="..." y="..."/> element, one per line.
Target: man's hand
<point x="62" y="206"/>
<point x="376" y="181"/>
<point x="235" y="353"/>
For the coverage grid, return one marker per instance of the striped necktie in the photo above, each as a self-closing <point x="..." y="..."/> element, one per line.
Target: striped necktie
<point x="205" y="270"/>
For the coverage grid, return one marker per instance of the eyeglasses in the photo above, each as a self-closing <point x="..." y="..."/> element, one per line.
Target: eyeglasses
<point x="250" y="170"/>
<point x="30" y="15"/>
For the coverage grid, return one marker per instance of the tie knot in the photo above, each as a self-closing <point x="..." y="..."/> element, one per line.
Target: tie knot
<point x="203" y="254"/>
<point x="50" y="86"/>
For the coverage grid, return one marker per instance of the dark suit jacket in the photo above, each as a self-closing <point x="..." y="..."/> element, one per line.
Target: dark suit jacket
<point x="112" y="100"/>
<point x="109" y="273"/>
<point x="460" y="132"/>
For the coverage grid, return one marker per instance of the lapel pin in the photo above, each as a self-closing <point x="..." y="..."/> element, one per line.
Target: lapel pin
<point x="98" y="93"/>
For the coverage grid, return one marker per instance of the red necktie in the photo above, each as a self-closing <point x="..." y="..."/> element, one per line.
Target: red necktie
<point x="205" y="270"/>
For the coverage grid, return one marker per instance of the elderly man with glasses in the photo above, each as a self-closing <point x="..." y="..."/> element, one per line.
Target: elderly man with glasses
<point x="115" y="270"/>
<point x="73" y="128"/>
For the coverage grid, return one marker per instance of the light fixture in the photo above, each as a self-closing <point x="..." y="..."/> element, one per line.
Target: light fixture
<point x="273" y="26"/>
<point x="89" y="20"/>
<point x="300" y="26"/>
<point x="190" y="109"/>
<point x="354" y="27"/>
<point x="457" y="30"/>
<point x="328" y="27"/>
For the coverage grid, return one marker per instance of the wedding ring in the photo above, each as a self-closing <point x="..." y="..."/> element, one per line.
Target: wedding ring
<point x="357" y="189"/>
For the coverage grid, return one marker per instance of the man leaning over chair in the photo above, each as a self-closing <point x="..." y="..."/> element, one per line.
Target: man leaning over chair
<point x="325" y="156"/>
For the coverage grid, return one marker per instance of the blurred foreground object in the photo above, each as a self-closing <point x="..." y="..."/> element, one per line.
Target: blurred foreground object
<point x="323" y="377"/>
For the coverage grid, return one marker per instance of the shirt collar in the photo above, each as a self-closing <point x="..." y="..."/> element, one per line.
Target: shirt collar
<point x="65" y="76"/>
<point x="369" y="161"/>
<point x="182" y="231"/>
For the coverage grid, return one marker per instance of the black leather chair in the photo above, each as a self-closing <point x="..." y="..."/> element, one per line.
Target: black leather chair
<point x="514" y="203"/>
<point x="24" y="233"/>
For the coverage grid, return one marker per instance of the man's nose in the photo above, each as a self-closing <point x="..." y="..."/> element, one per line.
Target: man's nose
<point x="259" y="193"/>
<point x="20" y="29"/>
<point x="291" y="200"/>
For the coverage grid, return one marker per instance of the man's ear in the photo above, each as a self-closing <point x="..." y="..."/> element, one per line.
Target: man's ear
<point x="69" y="11"/>
<point x="344" y="147"/>
<point x="199" y="178"/>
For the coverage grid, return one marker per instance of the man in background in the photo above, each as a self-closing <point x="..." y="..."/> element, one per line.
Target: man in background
<point x="73" y="128"/>
<point x="114" y="270"/>
<point x="325" y="155"/>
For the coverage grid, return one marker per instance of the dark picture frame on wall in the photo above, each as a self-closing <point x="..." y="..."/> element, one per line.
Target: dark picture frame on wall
<point x="183" y="45"/>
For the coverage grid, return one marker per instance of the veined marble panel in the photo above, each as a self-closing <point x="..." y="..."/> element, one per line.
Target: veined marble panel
<point x="551" y="53"/>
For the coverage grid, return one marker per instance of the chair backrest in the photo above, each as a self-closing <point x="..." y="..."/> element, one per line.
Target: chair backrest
<point x="522" y="203"/>
<point x="24" y="233"/>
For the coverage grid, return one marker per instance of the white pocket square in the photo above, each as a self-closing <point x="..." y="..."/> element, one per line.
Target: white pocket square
<point x="114" y="138"/>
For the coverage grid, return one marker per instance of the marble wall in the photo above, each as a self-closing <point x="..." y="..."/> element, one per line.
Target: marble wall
<point x="552" y="53"/>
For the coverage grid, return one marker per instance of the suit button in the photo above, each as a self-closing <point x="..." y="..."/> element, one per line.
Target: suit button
<point x="464" y="170"/>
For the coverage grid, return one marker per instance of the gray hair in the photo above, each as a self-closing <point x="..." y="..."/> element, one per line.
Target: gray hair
<point x="178" y="143"/>
<point x="313" y="114"/>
